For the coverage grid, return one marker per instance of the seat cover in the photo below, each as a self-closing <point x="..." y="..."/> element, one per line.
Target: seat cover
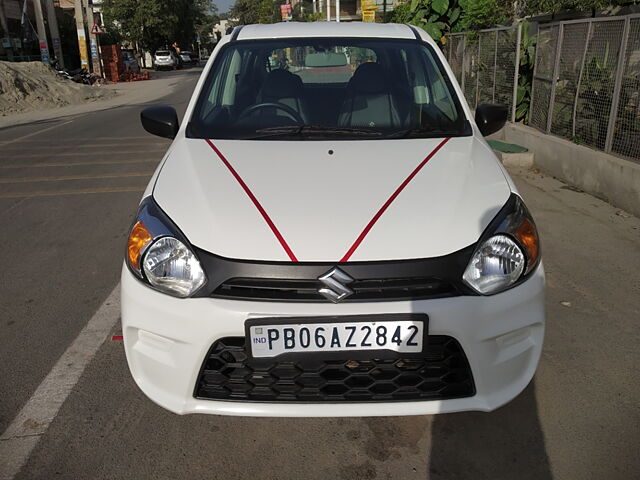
<point x="369" y="101"/>
<point x="281" y="86"/>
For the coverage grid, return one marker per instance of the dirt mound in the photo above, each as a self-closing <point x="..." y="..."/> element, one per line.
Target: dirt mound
<point x="32" y="85"/>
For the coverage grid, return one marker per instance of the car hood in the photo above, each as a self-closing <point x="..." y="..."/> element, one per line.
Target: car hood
<point x="313" y="200"/>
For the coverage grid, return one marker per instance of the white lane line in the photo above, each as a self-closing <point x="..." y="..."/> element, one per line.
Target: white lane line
<point x="84" y="139"/>
<point x="154" y="159"/>
<point x="50" y="154"/>
<point x="82" y="191"/>
<point x="66" y="178"/>
<point x="26" y="429"/>
<point x="93" y="145"/>
<point x="35" y="133"/>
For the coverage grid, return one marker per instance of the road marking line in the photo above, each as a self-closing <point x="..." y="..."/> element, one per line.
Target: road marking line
<point x="75" y="177"/>
<point x="26" y="429"/>
<point x="119" y="139"/>
<point x="76" y="154"/>
<point x="83" y="191"/>
<point x="73" y="164"/>
<point x="36" y="133"/>
<point x="95" y="145"/>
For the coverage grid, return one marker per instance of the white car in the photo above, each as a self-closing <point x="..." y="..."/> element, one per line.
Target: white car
<point x="330" y="235"/>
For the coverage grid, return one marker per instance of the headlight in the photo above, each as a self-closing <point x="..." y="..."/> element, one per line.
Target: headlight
<point x="160" y="255"/>
<point x="496" y="265"/>
<point x="507" y="252"/>
<point x="171" y="267"/>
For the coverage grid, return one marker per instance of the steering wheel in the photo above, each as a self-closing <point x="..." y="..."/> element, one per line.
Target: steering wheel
<point x="280" y="106"/>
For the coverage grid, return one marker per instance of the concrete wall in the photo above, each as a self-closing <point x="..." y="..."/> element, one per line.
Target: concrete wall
<point x="613" y="179"/>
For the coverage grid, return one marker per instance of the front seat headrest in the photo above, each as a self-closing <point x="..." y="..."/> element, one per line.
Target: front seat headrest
<point x="281" y="84"/>
<point x="369" y="77"/>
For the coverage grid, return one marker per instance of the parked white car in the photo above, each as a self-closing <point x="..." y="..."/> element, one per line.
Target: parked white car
<point x="338" y="241"/>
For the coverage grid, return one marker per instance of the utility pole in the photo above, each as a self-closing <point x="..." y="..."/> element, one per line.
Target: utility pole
<point x="5" y="30"/>
<point x="95" y="54"/>
<point x="42" y="33"/>
<point x="82" y="39"/>
<point x="328" y="10"/>
<point x="53" y="30"/>
<point x="337" y="10"/>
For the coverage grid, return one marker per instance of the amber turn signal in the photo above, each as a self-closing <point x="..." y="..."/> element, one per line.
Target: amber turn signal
<point x="527" y="235"/>
<point x="138" y="239"/>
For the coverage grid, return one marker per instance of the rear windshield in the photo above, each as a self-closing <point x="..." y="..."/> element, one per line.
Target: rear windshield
<point x="291" y="89"/>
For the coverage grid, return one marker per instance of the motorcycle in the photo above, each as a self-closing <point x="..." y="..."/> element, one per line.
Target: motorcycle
<point x="79" y="75"/>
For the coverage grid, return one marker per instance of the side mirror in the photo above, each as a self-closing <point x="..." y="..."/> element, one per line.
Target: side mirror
<point x="160" y="120"/>
<point x="490" y="118"/>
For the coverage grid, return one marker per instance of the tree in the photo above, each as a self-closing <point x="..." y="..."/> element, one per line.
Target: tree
<point x="156" y="23"/>
<point x="478" y="14"/>
<point x="195" y="17"/>
<point x="204" y="26"/>
<point x="248" y="12"/>
<point x="436" y="17"/>
<point x="534" y="7"/>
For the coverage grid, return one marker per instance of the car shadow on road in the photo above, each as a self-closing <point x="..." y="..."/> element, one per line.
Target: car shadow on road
<point x="504" y="444"/>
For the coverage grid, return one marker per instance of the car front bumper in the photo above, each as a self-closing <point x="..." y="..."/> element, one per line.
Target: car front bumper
<point x="167" y="339"/>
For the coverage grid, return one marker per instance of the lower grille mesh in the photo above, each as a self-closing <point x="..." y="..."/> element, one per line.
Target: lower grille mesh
<point x="442" y="372"/>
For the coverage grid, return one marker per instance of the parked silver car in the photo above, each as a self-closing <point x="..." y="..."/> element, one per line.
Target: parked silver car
<point x="165" y="59"/>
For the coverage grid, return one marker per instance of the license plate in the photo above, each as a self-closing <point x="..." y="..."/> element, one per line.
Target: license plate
<point x="272" y="337"/>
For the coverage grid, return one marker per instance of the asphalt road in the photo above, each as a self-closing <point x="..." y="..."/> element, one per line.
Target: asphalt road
<point x="68" y="190"/>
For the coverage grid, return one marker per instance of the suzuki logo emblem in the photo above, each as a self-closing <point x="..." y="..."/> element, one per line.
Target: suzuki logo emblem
<point x="335" y="285"/>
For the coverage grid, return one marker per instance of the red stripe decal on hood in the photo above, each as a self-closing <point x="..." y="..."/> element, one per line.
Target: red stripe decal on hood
<point x="377" y="216"/>
<point x="255" y="201"/>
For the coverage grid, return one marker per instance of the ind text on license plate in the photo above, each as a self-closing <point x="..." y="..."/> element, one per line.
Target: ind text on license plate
<point x="268" y="340"/>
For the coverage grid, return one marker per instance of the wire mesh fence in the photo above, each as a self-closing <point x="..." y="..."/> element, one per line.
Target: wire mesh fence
<point x="543" y="76"/>
<point x="485" y="64"/>
<point x="626" y="134"/>
<point x="586" y="83"/>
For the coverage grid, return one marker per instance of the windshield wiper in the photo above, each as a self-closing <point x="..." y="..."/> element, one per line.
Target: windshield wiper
<point x="312" y="130"/>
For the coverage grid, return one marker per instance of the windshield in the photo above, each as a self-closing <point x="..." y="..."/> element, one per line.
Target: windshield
<point x="162" y="53"/>
<point x="292" y="89"/>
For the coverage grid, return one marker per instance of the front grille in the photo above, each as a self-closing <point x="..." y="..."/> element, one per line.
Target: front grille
<point x="228" y="373"/>
<point x="306" y="290"/>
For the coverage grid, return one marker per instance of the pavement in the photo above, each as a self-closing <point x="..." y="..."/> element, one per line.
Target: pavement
<point x="69" y="186"/>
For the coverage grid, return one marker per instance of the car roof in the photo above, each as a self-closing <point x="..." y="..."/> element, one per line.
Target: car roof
<point x="326" y="29"/>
